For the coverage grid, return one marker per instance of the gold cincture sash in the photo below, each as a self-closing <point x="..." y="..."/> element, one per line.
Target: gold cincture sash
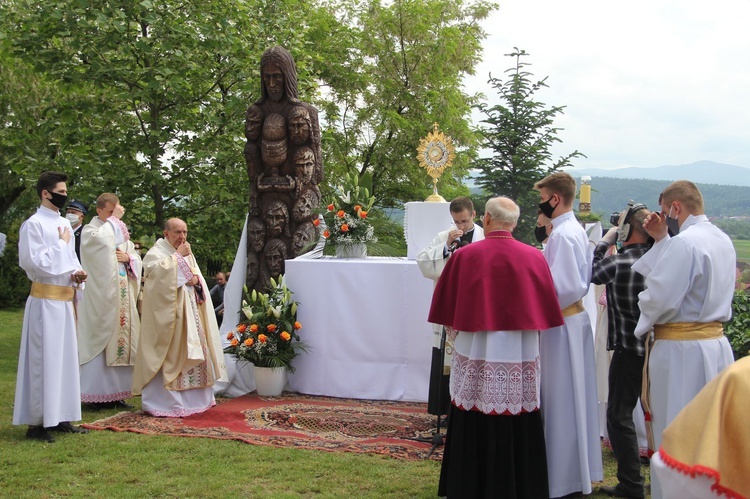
<point x="688" y="331"/>
<point x="573" y="309"/>
<point x="52" y="292"/>
<point x="672" y="331"/>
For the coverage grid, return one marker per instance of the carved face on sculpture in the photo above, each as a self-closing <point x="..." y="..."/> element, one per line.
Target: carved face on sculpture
<point x="303" y="238"/>
<point x="273" y="79"/>
<point x="256" y="235"/>
<point x="299" y="125"/>
<point x="304" y="165"/>
<point x="275" y="254"/>
<point x="278" y="75"/>
<point x="253" y="122"/>
<point x="276" y="218"/>
<point x="304" y="205"/>
<point x="253" y="269"/>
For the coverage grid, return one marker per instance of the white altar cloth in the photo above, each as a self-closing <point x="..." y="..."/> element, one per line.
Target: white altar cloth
<point x="365" y="321"/>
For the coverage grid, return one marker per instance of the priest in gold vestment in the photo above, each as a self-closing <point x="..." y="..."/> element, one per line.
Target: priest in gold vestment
<point x="108" y="322"/>
<point x="179" y="354"/>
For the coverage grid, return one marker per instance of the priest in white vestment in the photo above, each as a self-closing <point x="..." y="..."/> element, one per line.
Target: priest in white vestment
<point x="431" y="261"/>
<point x="48" y="386"/>
<point x="689" y="291"/>
<point x="569" y="396"/>
<point x="108" y="321"/>
<point x="179" y="354"/>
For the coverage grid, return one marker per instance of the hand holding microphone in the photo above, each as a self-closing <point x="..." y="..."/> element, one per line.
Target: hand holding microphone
<point x="458" y="243"/>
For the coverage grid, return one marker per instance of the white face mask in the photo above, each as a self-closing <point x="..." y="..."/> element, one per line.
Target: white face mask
<point x="72" y="218"/>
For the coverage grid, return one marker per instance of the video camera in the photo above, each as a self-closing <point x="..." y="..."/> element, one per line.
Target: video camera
<point x="614" y="218"/>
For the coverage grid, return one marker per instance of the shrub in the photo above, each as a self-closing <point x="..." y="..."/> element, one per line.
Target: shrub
<point x="738" y="327"/>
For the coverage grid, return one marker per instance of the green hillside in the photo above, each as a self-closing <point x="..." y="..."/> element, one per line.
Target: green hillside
<point x="612" y="194"/>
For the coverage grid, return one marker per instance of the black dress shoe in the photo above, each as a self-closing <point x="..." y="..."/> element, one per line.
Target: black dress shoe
<point x="616" y="491"/>
<point x="96" y="406"/>
<point x="121" y="404"/>
<point x="39" y="433"/>
<point x="66" y="427"/>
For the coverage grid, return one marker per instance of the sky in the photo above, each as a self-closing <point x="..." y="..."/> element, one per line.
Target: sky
<point x="645" y="83"/>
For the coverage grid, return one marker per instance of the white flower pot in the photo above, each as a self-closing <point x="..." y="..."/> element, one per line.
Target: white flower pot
<point x="269" y="381"/>
<point x="358" y="250"/>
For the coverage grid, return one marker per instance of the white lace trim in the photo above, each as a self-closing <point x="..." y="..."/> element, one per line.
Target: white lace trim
<point x="98" y="399"/>
<point x="179" y="413"/>
<point x="495" y="387"/>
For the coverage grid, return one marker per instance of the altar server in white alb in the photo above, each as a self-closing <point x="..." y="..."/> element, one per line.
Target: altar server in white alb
<point x="569" y="397"/>
<point x="689" y="289"/>
<point x="108" y="321"/>
<point x="432" y="261"/>
<point x="48" y="393"/>
<point x="179" y="354"/>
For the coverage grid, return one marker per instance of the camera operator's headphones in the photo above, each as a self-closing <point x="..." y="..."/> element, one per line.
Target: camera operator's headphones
<point x="626" y="229"/>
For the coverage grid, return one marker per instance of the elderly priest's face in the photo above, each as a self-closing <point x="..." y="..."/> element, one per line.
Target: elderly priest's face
<point x="176" y="232"/>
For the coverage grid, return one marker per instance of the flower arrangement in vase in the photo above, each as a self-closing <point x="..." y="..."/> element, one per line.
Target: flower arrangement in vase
<point x="267" y="334"/>
<point x="346" y="214"/>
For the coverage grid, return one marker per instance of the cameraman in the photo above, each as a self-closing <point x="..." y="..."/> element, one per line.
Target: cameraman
<point x="626" y="368"/>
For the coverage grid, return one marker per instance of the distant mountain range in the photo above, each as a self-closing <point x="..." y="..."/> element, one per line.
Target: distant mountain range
<point x="725" y="188"/>
<point x="700" y="172"/>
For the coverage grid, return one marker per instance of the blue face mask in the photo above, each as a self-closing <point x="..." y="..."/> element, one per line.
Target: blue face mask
<point x="673" y="225"/>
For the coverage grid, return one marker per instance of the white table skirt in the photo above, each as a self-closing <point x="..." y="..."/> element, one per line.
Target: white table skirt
<point x="365" y="321"/>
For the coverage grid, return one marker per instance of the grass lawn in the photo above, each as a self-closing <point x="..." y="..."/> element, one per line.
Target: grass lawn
<point x="742" y="247"/>
<point x="110" y="464"/>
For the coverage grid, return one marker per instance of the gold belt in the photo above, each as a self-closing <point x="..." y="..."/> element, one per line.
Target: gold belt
<point x="52" y="292"/>
<point x="573" y="309"/>
<point x="686" y="331"/>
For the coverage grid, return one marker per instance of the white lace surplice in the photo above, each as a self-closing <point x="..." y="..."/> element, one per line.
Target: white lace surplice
<point x="496" y="372"/>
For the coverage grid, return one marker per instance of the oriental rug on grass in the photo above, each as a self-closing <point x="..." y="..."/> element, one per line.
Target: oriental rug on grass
<point x="299" y="421"/>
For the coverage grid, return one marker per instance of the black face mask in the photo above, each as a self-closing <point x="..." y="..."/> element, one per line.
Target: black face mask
<point x="58" y="200"/>
<point x="540" y="233"/>
<point x="673" y="225"/>
<point x="547" y="208"/>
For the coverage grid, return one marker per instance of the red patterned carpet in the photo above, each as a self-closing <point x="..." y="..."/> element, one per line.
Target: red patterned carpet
<point x="301" y="421"/>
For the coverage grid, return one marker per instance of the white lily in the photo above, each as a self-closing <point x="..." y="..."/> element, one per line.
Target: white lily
<point x="276" y="311"/>
<point x="248" y="311"/>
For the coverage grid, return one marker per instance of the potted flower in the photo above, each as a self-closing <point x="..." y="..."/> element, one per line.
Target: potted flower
<point x="347" y="225"/>
<point x="267" y="335"/>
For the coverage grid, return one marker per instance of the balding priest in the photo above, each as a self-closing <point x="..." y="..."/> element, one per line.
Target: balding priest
<point x="495" y="296"/>
<point x="179" y="353"/>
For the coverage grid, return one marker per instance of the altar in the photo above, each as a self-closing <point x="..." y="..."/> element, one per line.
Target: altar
<point x="365" y="322"/>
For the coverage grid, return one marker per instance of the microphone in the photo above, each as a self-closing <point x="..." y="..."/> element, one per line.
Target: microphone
<point x="458" y="243"/>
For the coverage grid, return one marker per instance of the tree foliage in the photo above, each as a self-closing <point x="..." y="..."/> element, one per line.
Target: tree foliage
<point x="147" y="99"/>
<point x="519" y="131"/>
<point x="400" y="70"/>
<point x="167" y="84"/>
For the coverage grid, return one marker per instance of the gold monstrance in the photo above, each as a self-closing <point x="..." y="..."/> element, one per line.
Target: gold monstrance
<point x="435" y="154"/>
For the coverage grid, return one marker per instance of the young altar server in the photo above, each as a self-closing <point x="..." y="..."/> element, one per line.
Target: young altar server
<point x="48" y="393"/>
<point x="569" y="398"/>
<point x="689" y="290"/>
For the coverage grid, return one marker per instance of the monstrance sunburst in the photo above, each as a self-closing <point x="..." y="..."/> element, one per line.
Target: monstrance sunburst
<point x="435" y="154"/>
